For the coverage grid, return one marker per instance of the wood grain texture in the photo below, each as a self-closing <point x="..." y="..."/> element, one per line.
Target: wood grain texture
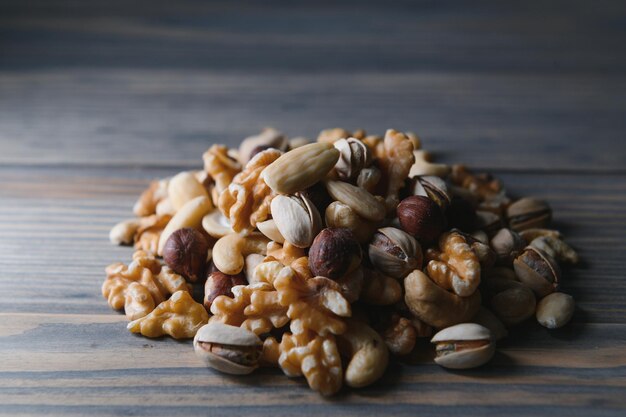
<point x="97" y="98"/>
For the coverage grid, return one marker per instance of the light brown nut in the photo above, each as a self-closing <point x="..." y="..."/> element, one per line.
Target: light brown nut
<point x="424" y="166"/>
<point x="531" y="234"/>
<point x="555" y="310"/>
<point x="216" y="225"/>
<point x="455" y="266"/>
<point x="190" y="215"/>
<point x="369" y="178"/>
<point x="395" y="164"/>
<point x="179" y="317"/>
<point x="165" y="206"/>
<point x="351" y="284"/>
<point x="482" y="186"/>
<point x="367" y="352"/>
<point x="252" y="261"/>
<point x="464" y="346"/>
<point x="432" y="187"/>
<point x="296" y="218"/>
<point x="138" y="301"/>
<point x="555" y="248"/>
<point x="246" y="201"/>
<point x="124" y="232"/>
<point x="268" y="138"/>
<point x="229" y="252"/>
<point x="512" y="302"/>
<point x="527" y="213"/>
<point x="270" y="230"/>
<point x="340" y="215"/>
<point x="298" y="142"/>
<point x="538" y="271"/>
<point x="149" y="232"/>
<point x="380" y="290"/>
<point x="401" y="336"/>
<point x="507" y="244"/>
<point x="362" y="202"/>
<point x="220" y="166"/>
<point x="487" y="319"/>
<point x="147" y="202"/>
<point x="229" y="349"/>
<point x="315" y="357"/>
<point x="354" y="155"/>
<point x="184" y="187"/>
<point x="286" y="254"/>
<point x="394" y="253"/>
<point x="332" y="135"/>
<point x="436" y="306"/>
<point x="300" y="168"/>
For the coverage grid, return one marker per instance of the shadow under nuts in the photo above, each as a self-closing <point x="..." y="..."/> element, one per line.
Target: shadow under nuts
<point x="464" y="346"/>
<point x="229" y="349"/>
<point x="185" y="252"/>
<point x="334" y="252"/>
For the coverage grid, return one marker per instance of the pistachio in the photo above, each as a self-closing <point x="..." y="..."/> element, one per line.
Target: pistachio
<point x="359" y="200"/>
<point x="334" y="252"/>
<point x="488" y="221"/>
<point x="513" y="303"/>
<point x="555" y="310"/>
<point x="421" y="217"/>
<point x="464" y="346"/>
<point x="296" y="218"/>
<point x="269" y="229"/>
<point x="432" y="187"/>
<point x="538" y="271"/>
<point x="556" y="248"/>
<point x="528" y="213"/>
<point x="354" y="155"/>
<point x="216" y="224"/>
<point x="394" y="253"/>
<point x="507" y="245"/>
<point x="229" y="349"/>
<point x="300" y="168"/>
<point x="268" y="138"/>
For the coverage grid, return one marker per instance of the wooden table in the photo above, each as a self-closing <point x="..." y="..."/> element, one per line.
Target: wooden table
<point x="99" y="97"/>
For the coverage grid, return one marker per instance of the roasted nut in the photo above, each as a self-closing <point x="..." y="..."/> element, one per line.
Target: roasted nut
<point x="514" y="303"/>
<point x="138" y="301"/>
<point x="220" y="166"/>
<point x="123" y="233"/>
<point x="464" y="346"/>
<point x="230" y="251"/>
<point x="420" y="217"/>
<point x="298" y="142"/>
<point x="436" y="306"/>
<point x="424" y="166"/>
<point x="190" y="215"/>
<point x="401" y="336"/>
<point x="531" y="234"/>
<point x="300" y="168"/>
<point x="555" y="310"/>
<point x="483" y="186"/>
<point x="487" y="319"/>
<point x="354" y="155"/>
<point x="488" y="222"/>
<point x="218" y="283"/>
<point x="432" y="187"/>
<point x="340" y="215"/>
<point x="183" y="188"/>
<point x="179" y="317"/>
<point x="369" y="178"/>
<point x="380" y="290"/>
<point x="186" y="252"/>
<point x="395" y="164"/>
<point x="367" y="352"/>
<point x="359" y="200"/>
<point x="527" y="213"/>
<point x="333" y="135"/>
<point x="351" y="284"/>
<point x="147" y="202"/>
<point x="394" y="252"/>
<point x="334" y="252"/>
<point x="555" y="248"/>
<point x="507" y="245"/>
<point x="149" y="232"/>
<point x="296" y="218"/>
<point x="268" y="138"/>
<point x="228" y="349"/>
<point x="538" y="271"/>
<point x="252" y="261"/>
<point x="216" y="224"/>
<point x="269" y="229"/>
<point x="455" y="266"/>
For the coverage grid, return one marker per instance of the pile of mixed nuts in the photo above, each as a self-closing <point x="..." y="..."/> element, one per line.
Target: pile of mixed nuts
<point x="322" y="258"/>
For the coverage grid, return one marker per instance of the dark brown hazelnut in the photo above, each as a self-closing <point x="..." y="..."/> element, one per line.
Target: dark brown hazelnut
<point x="334" y="252"/>
<point x="218" y="283"/>
<point x="421" y="217"/>
<point x="185" y="251"/>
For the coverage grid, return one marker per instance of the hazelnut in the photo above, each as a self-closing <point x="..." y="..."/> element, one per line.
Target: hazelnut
<point x="218" y="283"/>
<point x="538" y="271"/>
<point x="527" y="213"/>
<point x="185" y="252"/>
<point x="394" y="253"/>
<point x="507" y="244"/>
<point x="421" y="217"/>
<point x="334" y="252"/>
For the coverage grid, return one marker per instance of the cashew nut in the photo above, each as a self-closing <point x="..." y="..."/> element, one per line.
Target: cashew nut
<point x="230" y="251"/>
<point x="124" y="232"/>
<point x="368" y="354"/>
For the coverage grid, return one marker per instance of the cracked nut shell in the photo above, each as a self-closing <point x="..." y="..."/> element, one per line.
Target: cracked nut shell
<point x="538" y="271"/>
<point x="185" y="252"/>
<point x="464" y="346"/>
<point x="394" y="253"/>
<point x="527" y="213"/>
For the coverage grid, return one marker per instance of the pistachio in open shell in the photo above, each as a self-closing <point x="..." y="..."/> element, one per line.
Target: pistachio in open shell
<point x="464" y="346"/>
<point x="394" y="252"/>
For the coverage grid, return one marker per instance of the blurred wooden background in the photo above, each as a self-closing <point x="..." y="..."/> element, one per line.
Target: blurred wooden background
<point x="99" y="97"/>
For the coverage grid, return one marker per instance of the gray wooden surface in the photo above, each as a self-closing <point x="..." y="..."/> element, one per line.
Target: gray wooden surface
<point x="99" y="97"/>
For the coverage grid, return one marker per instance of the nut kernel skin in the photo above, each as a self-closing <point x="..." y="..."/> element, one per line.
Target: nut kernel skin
<point x="421" y="217"/>
<point x="185" y="252"/>
<point x="333" y="253"/>
<point x="555" y="310"/>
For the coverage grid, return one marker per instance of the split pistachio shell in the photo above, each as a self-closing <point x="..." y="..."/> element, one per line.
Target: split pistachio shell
<point x="269" y="229"/>
<point x="538" y="271"/>
<point x="229" y="349"/>
<point x="394" y="252"/>
<point x="555" y="310"/>
<point x="296" y="218"/>
<point x="216" y="224"/>
<point x="354" y="155"/>
<point x="464" y="346"/>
